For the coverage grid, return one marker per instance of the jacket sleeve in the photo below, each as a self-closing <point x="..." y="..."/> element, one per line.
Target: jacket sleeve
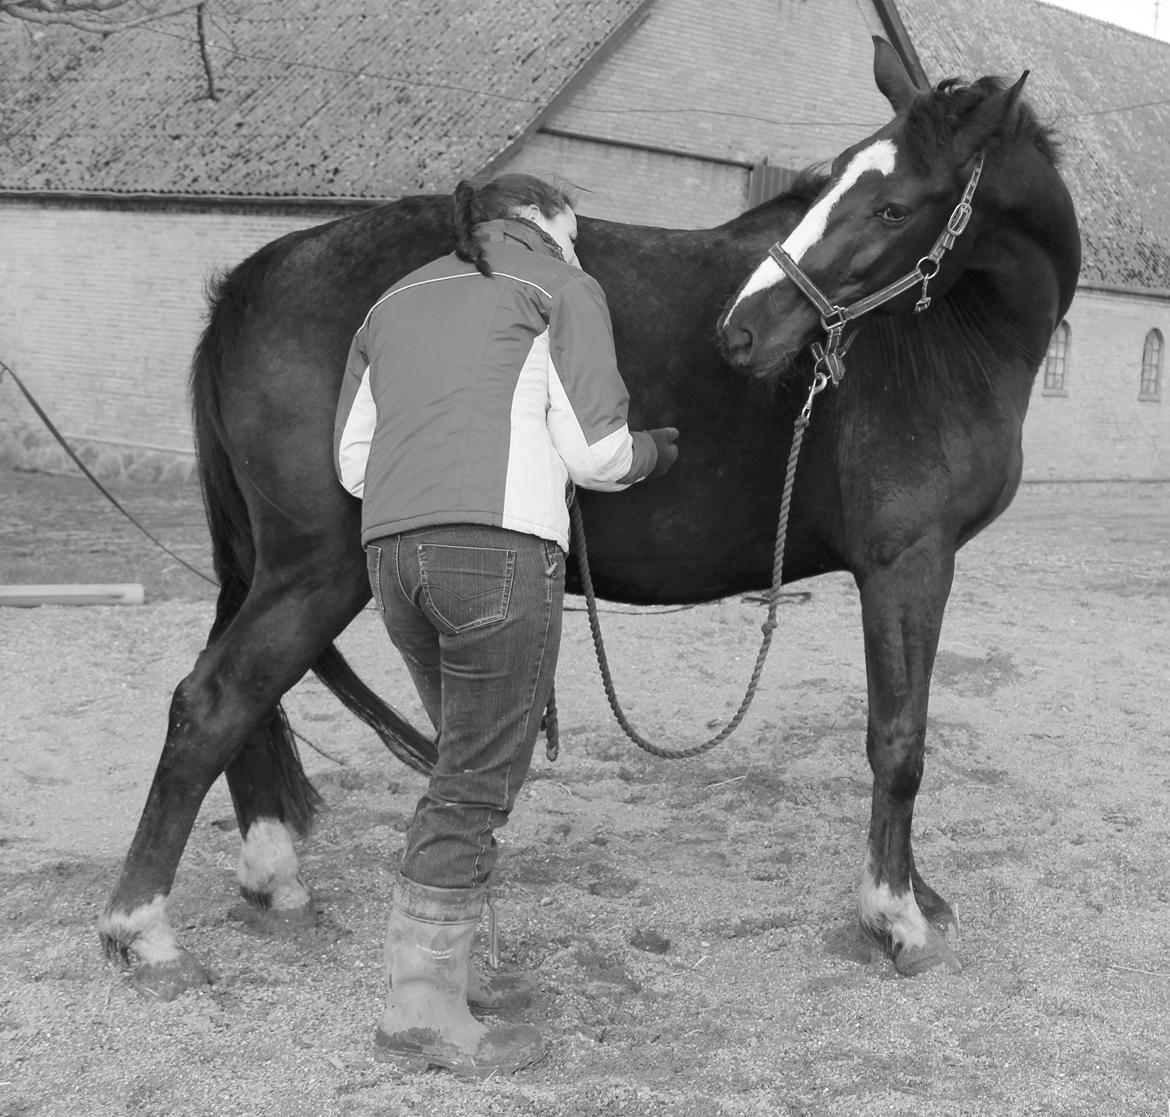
<point x="588" y="401"/>
<point x="357" y="414"/>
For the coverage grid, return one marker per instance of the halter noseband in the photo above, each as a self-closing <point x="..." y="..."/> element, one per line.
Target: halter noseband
<point x="830" y="353"/>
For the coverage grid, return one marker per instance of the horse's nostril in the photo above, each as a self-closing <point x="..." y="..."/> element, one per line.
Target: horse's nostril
<point x="737" y="342"/>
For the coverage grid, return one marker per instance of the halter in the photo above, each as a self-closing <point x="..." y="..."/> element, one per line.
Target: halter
<point x="831" y="352"/>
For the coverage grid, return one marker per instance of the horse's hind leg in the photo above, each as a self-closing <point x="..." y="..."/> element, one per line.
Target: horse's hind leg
<point x="219" y="708"/>
<point x="273" y="803"/>
<point x="902" y="609"/>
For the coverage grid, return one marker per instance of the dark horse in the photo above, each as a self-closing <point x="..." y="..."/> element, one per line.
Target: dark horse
<point x="916" y="451"/>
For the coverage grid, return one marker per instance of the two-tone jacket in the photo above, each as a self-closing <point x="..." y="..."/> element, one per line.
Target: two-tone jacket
<point x="475" y="399"/>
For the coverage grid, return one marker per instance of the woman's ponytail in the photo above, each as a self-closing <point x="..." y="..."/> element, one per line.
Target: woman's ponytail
<point x="504" y="196"/>
<point x="468" y="246"/>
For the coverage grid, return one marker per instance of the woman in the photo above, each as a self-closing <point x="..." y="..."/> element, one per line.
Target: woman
<point x="477" y="388"/>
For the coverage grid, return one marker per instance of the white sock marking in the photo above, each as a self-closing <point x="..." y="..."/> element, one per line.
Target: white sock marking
<point x="880" y="908"/>
<point x="146" y="931"/>
<point x="269" y="867"/>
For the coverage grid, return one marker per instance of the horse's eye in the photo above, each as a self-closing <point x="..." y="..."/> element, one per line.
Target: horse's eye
<point x="893" y="214"/>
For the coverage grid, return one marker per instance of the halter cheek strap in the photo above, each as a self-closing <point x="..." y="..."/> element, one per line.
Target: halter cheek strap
<point x="830" y="353"/>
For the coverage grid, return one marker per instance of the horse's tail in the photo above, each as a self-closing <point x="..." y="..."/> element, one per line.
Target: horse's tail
<point x="229" y="525"/>
<point x="234" y="558"/>
<point x="228" y="522"/>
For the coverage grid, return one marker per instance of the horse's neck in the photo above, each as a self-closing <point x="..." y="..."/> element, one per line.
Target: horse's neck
<point x="1030" y="255"/>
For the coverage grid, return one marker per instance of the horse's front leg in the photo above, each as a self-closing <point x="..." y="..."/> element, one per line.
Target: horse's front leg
<point x="902" y="608"/>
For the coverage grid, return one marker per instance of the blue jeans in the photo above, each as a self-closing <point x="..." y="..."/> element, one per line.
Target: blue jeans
<point x="476" y="613"/>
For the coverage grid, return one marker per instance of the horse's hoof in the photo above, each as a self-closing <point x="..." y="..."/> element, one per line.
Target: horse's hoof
<point x="301" y="918"/>
<point x="164" y="981"/>
<point x="943" y="920"/>
<point x="938" y="912"/>
<point x="935" y="954"/>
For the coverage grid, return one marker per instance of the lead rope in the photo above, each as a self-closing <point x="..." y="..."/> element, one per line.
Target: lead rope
<point x="820" y="380"/>
<point x="44" y="418"/>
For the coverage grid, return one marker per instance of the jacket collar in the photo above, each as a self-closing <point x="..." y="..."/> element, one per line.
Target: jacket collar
<point x="519" y="230"/>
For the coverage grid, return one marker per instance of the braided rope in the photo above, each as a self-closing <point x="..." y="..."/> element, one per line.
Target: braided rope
<point x="551" y="727"/>
<point x="768" y="627"/>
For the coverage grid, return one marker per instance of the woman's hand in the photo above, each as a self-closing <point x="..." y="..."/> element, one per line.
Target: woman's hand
<point x="664" y="443"/>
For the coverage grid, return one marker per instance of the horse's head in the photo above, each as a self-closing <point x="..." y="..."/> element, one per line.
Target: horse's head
<point x="880" y="218"/>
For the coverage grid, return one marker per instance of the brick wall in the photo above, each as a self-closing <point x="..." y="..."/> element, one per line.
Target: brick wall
<point x="100" y="311"/>
<point x="792" y="79"/>
<point x="639" y="187"/>
<point x="1099" y="429"/>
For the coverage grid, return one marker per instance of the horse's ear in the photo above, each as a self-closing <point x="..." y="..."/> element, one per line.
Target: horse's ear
<point x="994" y="116"/>
<point x="891" y="76"/>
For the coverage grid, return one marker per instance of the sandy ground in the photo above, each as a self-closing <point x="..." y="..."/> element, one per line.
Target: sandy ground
<point x="692" y="922"/>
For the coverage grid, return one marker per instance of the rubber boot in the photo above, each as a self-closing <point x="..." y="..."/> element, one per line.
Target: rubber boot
<point x="489" y="992"/>
<point x="426" y="1020"/>
<point x="494" y="993"/>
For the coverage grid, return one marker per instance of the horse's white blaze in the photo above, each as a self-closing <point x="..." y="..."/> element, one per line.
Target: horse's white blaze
<point x="269" y="867"/>
<point x="768" y="274"/>
<point x="878" y="157"/>
<point x="880" y="908"/>
<point x="145" y="930"/>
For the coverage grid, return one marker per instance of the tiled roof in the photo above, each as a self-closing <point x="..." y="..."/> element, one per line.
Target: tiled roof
<point x="1108" y="92"/>
<point x="345" y="98"/>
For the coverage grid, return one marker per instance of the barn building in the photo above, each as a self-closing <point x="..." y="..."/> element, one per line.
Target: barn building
<point x="136" y="165"/>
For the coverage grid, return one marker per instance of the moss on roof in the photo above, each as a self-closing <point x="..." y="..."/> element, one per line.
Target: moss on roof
<point x="354" y="98"/>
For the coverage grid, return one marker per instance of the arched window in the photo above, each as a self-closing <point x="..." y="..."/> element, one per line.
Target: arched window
<point x="1056" y="363"/>
<point x="1151" y="385"/>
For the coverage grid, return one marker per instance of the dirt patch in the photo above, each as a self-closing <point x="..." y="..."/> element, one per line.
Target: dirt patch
<point x="57" y="529"/>
<point x="691" y="922"/>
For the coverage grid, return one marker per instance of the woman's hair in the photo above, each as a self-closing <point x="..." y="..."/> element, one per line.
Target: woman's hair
<point x="501" y="197"/>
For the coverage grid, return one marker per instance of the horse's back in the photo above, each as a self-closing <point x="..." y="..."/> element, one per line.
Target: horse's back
<point x="267" y="373"/>
<point x="322" y="280"/>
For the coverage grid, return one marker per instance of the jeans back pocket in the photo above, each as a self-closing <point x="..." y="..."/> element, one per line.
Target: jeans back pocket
<point x="466" y="587"/>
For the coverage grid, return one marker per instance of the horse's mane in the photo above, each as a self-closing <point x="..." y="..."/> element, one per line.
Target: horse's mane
<point x="934" y="118"/>
<point x="809" y="182"/>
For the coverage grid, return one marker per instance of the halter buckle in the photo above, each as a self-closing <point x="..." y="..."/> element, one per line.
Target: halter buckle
<point x="834" y="366"/>
<point x="833" y="321"/>
<point x="960" y="215"/>
<point x="830" y="364"/>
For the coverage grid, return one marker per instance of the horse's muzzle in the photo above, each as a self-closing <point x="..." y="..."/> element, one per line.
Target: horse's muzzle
<point x="738" y="344"/>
